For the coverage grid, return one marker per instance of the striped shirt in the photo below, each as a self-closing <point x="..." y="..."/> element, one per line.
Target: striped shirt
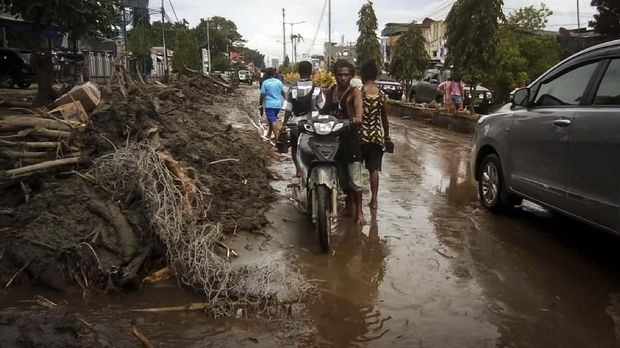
<point x="299" y="90"/>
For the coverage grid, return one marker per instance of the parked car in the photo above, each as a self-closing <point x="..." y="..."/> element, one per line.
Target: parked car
<point x="246" y="76"/>
<point x="425" y="91"/>
<point x="390" y="86"/>
<point x="14" y="70"/>
<point x="558" y="142"/>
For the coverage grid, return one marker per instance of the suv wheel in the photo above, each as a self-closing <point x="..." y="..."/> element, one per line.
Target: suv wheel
<point x="492" y="192"/>
<point x="6" y="81"/>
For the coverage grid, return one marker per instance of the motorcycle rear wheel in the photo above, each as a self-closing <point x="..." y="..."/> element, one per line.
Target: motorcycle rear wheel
<point x="323" y="216"/>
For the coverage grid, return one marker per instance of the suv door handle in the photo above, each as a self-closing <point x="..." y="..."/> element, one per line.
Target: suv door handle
<point x="561" y="122"/>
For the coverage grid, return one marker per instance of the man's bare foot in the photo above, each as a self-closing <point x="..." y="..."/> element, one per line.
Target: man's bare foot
<point x="373" y="204"/>
<point x="360" y="220"/>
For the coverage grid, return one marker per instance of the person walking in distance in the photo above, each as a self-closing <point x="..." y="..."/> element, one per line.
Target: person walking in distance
<point x="345" y="101"/>
<point x="304" y="99"/>
<point x="271" y="95"/>
<point x="375" y="127"/>
<point x="456" y="90"/>
<point x="447" y="96"/>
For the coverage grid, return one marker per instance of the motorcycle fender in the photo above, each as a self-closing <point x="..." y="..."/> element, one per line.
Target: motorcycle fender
<point x="324" y="175"/>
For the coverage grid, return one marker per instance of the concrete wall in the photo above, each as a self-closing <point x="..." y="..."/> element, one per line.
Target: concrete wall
<point x="458" y="122"/>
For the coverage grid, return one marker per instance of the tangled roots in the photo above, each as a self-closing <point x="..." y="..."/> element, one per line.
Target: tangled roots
<point x="175" y="204"/>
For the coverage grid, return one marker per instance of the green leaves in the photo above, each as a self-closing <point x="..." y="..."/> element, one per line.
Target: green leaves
<point x="471" y="37"/>
<point x="186" y="54"/>
<point x="367" y="46"/>
<point x="522" y="53"/>
<point x="76" y="17"/>
<point x="410" y="57"/>
<point x="607" y="20"/>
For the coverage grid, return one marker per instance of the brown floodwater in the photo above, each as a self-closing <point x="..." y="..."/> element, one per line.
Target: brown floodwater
<point x="431" y="269"/>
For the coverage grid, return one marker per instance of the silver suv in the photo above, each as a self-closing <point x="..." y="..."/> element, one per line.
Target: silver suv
<point x="558" y="142"/>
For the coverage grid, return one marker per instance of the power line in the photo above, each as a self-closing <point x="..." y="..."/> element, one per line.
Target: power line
<point x="318" y="28"/>
<point x="173" y="10"/>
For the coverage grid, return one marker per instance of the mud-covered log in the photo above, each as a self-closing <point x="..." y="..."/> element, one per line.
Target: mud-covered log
<point x="37" y="168"/>
<point x="14" y="123"/>
<point x="128" y="243"/>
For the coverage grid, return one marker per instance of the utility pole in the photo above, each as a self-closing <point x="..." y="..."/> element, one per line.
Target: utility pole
<point x="208" y="46"/>
<point x="578" y="19"/>
<point x="293" y="54"/>
<point x="329" y="34"/>
<point x="124" y="36"/>
<point x="163" y="35"/>
<point x="283" y="38"/>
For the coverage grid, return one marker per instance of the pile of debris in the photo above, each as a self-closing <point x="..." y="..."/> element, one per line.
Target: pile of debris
<point x="162" y="179"/>
<point x="41" y="141"/>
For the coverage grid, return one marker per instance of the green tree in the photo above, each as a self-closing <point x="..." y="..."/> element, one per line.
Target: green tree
<point x="367" y="46"/>
<point x="139" y="43"/>
<point x="222" y="36"/>
<point x="286" y="66"/>
<point x="607" y="20"/>
<point x="471" y="38"/>
<point x="186" y="53"/>
<point x="78" y="18"/>
<point x="252" y="56"/>
<point x="523" y="52"/>
<point x="410" y="57"/>
<point x="529" y="18"/>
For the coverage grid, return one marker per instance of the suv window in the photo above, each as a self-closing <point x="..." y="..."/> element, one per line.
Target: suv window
<point x="566" y="89"/>
<point x="609" y="91"/>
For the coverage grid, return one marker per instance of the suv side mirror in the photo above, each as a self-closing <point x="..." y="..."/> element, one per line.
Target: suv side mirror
<point x="521" y="97"/>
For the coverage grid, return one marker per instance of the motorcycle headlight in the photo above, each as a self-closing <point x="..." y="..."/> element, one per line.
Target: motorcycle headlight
<point x="323" y="128"/>
<point x="308" y="127"/>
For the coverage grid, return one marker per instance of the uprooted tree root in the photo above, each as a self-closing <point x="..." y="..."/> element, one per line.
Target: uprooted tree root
<point x="177" y="204"/>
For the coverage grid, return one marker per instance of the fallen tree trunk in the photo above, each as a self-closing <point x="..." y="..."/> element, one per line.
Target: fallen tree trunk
<point x="14" y="123"/>
<point x="37" y="168"/>
<point x="13" y="154"/>
<point x="31" y="144"/>
<point x="39" y="132"/>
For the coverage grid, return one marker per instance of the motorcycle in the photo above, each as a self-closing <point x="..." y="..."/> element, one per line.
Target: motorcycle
<point x="316" y="190"/>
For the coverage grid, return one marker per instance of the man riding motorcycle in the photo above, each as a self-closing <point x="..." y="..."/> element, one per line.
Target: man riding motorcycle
<point x="303" y="99"/>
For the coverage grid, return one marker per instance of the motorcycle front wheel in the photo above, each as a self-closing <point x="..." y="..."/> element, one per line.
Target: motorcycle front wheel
<point x="323" y="216"/>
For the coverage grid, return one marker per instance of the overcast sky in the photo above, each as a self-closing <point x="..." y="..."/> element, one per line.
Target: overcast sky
<point x="260" y="22"/>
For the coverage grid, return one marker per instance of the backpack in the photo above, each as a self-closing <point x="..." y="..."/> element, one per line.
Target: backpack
<point x="303" y="105"/>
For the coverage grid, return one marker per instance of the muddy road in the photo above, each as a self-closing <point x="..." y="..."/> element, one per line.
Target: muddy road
<point x="431" y="269"/>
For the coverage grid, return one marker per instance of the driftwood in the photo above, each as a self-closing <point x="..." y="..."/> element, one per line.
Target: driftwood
<point x="145" y="341"/>
<point x="115" y="217"/>
<point x="38" y="132"/>
<point x="222" y="84"/>
<point x="31" y="144"/>
<point x="13" y="123"/>
<point x="13" y="154"/>
<point x="37" y="168"/>
<point x="193" y="306"/>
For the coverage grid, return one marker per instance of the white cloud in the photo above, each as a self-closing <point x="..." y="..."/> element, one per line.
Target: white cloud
<point x="260" y="22"/>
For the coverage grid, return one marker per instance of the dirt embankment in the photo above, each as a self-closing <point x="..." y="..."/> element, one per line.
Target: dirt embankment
<point x="66" y="229"/>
